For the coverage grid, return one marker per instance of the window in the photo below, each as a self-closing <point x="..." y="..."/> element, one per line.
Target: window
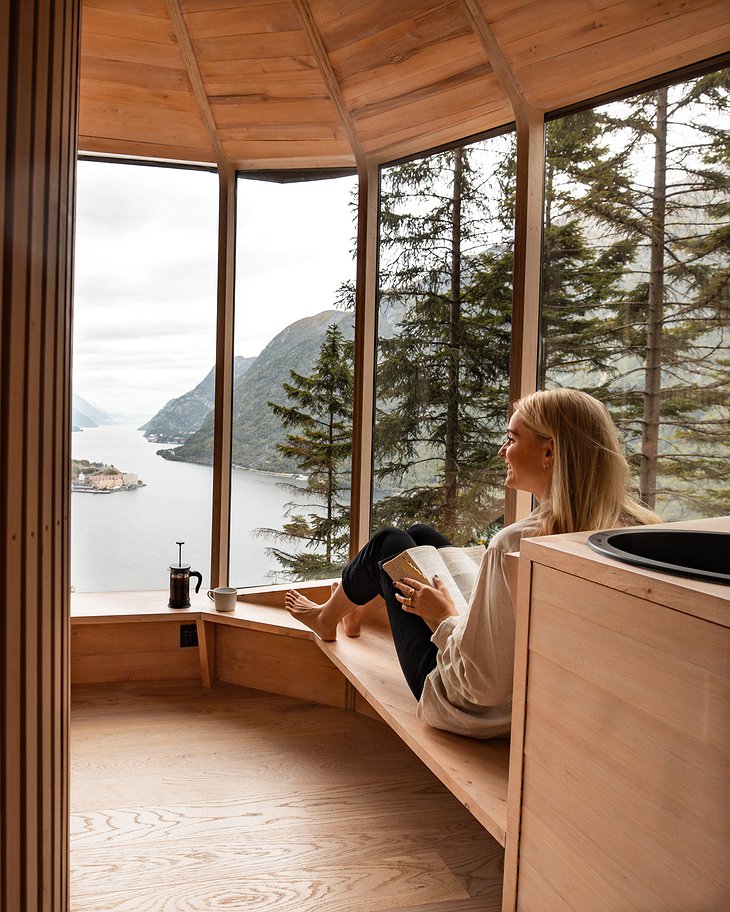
<point x="144" y="347"/>
<point x="292" y="424"/>
<point x="635" y="301"/>
<point x="445" y="298"/>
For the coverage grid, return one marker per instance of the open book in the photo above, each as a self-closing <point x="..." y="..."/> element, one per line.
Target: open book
<point x="457" y="567"/>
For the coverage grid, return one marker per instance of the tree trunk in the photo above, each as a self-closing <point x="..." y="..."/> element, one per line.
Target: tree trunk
<point x="546" y="273"/>
<point x="451" y="465"/>
<point x="330" y="486"/>
<point x="655" y="312"/>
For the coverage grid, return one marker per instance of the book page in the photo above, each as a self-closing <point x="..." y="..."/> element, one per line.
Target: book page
<point x="421" y="564"/>
<point x="464" y="564"/>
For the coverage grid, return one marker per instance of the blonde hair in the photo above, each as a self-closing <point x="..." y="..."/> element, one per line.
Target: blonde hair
<point x="588" y="488"/>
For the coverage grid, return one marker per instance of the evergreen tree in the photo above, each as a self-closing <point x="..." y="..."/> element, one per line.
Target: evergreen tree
<point x="320" y="411"/>
<point x="659" y="349"/>
<point x="446" y="269"/>
<point x="581" y="278"/>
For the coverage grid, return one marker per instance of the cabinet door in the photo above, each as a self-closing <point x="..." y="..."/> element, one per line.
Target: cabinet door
<point x="625" y="802"/>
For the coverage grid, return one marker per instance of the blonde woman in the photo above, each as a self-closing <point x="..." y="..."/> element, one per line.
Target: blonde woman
<point x="562" y="447"/>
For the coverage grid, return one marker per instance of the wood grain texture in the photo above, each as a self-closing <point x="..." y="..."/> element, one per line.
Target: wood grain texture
<point x="385" y="79"/>
<point x="38" y="98"/>
<point x="570" y="553"/>
<point x="278" y="664"/>
<point x="625" y="796"/>
<point x="229" y="797"/>
<point x="366" y="318"/>
<point x="133" y="651"/>
<point x="474" y="771"/>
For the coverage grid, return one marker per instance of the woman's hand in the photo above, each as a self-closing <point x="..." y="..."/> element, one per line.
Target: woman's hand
<point x="433" y="603"/>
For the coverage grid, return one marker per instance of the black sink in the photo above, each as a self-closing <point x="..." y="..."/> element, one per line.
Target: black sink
<point x="700" y="555"/>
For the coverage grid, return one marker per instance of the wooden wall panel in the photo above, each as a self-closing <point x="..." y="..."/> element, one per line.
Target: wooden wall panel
<point x="38" y="93"/>
<point x="283" y="665"/>
<point x="626" y="803"/>
<point x="145" y="651"/>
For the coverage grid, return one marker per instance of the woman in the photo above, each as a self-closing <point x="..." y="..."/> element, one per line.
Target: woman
<point x="562" y="447"/>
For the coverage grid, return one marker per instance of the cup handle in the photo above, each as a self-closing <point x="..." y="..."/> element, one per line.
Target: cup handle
<point x="210" y="595"/>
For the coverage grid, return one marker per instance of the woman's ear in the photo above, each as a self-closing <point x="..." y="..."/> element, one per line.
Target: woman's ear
<point x="547" y="460"/>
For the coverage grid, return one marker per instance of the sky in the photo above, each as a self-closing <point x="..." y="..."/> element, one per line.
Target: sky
<point x="145" y="274"/>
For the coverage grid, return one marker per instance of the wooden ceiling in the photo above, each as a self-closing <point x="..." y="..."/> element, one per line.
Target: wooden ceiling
<point x="281" y="84"/>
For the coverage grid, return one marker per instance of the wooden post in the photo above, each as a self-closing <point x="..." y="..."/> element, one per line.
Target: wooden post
<point x="38" y="97"/>
<point x="366" y="317"/>
<point x="223" y="434"/>
<point x="527" y="276"/>
<point x="528" y="232"/>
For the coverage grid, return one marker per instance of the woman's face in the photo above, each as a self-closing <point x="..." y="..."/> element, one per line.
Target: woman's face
<point x="529" y="459"/>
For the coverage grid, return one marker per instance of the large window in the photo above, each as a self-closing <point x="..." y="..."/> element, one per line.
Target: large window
<point x="292" y="423"/>
<point x="144" y="347"/>
<point x="445" y="298"/>
<point x="635" y="305"/>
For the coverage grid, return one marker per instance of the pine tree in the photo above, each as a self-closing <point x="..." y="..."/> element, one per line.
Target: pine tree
<point x="581" y="278"/>
<point x="658" y="355"/>
<point x="446" y="269"/>
<point x="320" y="409"/>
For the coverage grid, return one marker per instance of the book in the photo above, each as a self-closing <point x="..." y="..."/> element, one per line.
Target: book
<point x="457" y="567"/>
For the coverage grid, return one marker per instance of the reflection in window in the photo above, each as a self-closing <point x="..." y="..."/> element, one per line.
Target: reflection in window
<point x="292" y="424"/>
<point x="445" y="285"/>
<point x="635" y="302"/>
<point x="144" y="347"/>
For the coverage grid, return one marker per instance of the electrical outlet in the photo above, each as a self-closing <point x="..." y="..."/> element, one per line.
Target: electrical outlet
<point x="188" y="635"/>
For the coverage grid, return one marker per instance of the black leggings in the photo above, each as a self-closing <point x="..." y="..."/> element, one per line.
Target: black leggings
<point x="363" y="579"/>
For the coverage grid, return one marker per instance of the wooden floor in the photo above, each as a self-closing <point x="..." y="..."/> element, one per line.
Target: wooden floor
<point x="220" y="800"/>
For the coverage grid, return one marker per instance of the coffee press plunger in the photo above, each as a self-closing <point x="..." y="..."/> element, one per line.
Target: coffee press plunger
<point x="180" y="574"/>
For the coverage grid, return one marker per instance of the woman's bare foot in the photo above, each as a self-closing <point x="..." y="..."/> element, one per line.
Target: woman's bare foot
<point x="353" y="621"/>
<point x="311" y="615"/>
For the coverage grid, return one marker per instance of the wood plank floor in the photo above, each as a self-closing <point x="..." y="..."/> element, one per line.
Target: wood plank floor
<point x="187" y="800"/>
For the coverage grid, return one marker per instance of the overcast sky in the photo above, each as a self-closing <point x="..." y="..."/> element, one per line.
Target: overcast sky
<point x="145" y="298"/>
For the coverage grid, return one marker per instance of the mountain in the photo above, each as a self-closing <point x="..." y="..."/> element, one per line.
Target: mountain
<point x="86" y="415"/>
<point x="178" y="419"/>
<point x="256" y="430"/>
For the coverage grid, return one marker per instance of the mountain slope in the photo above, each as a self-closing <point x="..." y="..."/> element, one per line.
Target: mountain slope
<point x="86" y="415"/>
<point x="179" y="418"/>
<point x="256" y="430"/>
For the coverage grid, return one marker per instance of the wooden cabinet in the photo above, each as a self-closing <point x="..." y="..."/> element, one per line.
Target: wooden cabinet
<point x="620" y="768"/>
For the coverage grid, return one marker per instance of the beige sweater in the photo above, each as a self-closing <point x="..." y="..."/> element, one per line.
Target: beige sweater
<point x="470" y="690"/>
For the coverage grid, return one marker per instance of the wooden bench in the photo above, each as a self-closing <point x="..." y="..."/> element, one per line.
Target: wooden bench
<point x="474" y="771"/>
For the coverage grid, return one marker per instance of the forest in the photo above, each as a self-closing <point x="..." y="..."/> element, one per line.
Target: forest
<point x="634" y="309"/>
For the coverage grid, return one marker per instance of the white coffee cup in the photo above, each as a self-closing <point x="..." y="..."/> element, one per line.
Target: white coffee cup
<point x="224" y="598"/>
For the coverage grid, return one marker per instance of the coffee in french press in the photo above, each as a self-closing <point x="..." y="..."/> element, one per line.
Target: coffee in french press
<point x="180" y="574"/>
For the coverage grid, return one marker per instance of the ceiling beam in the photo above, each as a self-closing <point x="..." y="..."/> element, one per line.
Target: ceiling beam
<point x="196" y="80"/>
<point x="523" y="110"/>
<point x="328" y="74"/>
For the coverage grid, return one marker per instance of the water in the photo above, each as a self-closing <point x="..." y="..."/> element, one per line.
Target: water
<point x="126" y="540"/>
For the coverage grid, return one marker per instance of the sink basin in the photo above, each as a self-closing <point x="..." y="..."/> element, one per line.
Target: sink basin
<point x="700" y="555"/>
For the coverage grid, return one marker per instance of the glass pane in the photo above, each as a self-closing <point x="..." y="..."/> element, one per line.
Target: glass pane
<point x="635" y="282"/>
<point x="446" y="240"/>
<point x="144" y="339"/>
<point x="292" y="428"/>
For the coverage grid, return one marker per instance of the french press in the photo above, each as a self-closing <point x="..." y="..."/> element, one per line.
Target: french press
<point x="180" y="574"/>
